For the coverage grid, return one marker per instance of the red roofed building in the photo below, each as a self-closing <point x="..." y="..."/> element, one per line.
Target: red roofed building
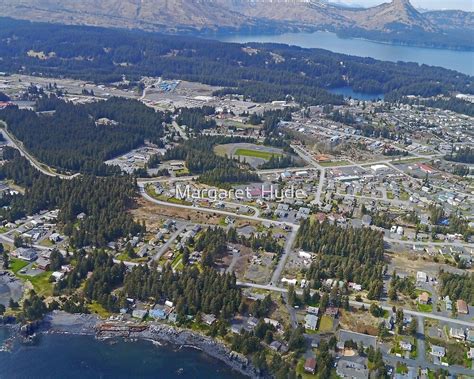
<point x="425" y="168"/>
<point x="310" y="365"/>
<point x="462" y="307"/>
<point x="5" y="104"/>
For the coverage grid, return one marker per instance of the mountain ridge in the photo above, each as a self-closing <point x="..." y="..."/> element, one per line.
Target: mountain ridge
<point x="395" y="20"/>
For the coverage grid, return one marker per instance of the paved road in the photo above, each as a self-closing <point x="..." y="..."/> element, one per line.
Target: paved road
<point x="358" y="304"/>
<point x="427" y="243"/>
<point x="235" y="258"/>
<point x="291" y="311"/>
<point x="322" y="177"/>
<point x="180" y="130"/>
<point x="168" y="243"/>
<point x="420" y="338"/>
<point x="306" y="156"/>
<point x="37" y="165"/>
<point x="457" y="370"/>
<point x="210" y="210"/>
<point x="282" y="262"/>
<point x="193" y="177"/>
<point x="385" y="199"/>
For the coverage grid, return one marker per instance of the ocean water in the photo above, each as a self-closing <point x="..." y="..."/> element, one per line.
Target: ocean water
<point x="74" y="356"/>
<point x="462" y="61"/>
<point x="349" y="92"/>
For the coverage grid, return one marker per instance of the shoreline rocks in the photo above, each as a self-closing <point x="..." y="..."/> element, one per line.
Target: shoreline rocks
<point x="64" y="323"/>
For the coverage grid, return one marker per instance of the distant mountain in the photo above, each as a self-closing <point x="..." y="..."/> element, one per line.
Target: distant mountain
<point x="311" y="13"/>
<point x="383" y="17"/>
<point x="143" y="14"/>
<point x="397" y="21"/>
<point x="451" y="20"/>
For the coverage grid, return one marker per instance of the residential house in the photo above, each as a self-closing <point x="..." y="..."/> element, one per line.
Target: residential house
<point x="424" y="298"/>
<point x="461" y="306"/>
<point x="209" y="319"/>
<point x="42" y="263"/>
<point x="252" y="322"/>
<point x="310" y="365"/>
<point x="421" y="277"/>
<point x="352" y="370"/>
<point x="272" y="322"/>
<point x="139" y="313"/>
<point x="457" y="333"/>
<point x="26" y="253"/>
<point x="158" y="314"/>
<point x="303" y="213"/>
<point x="55" y="237"/>
<point x="311" y="322"/>
<point x="57" y="275"/>
<point x="332" y="311"/>
<point x="173" y="317"/>
<point x="405" y="346"/>
<point x="470" y="336"/>
<point x="438" y="351"/>
<point x="236" y="328"/>
<point x="275" y="345"/>
<point x="470" y="353"/>
<point x="449" y="303"/>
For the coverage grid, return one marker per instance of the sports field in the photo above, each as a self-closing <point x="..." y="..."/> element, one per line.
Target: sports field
<point x="256" y="153"/>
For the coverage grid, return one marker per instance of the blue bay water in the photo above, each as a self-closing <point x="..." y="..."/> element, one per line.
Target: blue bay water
<point x="74" y="356"/>
<point x="349" y="92"/>
<point x="462" y="61"/>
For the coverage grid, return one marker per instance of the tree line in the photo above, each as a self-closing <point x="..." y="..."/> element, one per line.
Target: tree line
<point x="353" y="255"/>
<point x="198" y="154"/>
<point x="103" y="201"/>
<point x="80" y="137"/>
<point x="457" y="286"/>
<point x="304" y="74"/>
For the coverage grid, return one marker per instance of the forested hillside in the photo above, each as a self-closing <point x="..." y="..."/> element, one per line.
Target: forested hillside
<point x="261" y="71"/>
<point x="191" y="290"/>
<point x="353" y="255"/>
<point x="71" y="139"/>
<point x="104" y="201"/>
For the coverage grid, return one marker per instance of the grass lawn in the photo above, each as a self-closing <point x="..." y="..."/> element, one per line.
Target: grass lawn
<point x="409" y="160"/>
<point x="182" y="172"/>
<point x="325" y="324"/>
<point x="428" y="308"/>
<point x="401" y="368"/>
<point x="404" y="196"/>
<point x="46" y="242"/>
<point x="17" y="264"/>
<point x="98" y="309"/>
<point x="151" y="191"/>
<point x="40" y="283"/>
<point x="176" y="260"/>
<point x="256" y="153"/>
<point x="414" y="352"/>
<point x="124" y="257"/>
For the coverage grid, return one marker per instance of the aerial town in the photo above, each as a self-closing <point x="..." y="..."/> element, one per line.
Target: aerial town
<point x="351" y="242"/>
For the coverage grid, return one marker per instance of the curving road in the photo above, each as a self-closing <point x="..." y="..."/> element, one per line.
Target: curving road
<point x="11" y="141"/>
<point x="210" y="210"/>
<point x="359" y="304"/>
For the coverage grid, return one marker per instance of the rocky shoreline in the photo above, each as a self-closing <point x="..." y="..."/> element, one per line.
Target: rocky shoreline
<point x="185" y="338"/>
<point x="60" y="322"/>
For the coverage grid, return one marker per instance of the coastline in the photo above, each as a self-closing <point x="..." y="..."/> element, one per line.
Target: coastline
<point x="59" y="322"/>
